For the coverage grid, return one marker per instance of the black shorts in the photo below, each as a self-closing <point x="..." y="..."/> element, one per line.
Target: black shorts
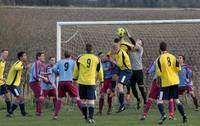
<point x="3" y="89"/>
<point x="16" y="91"/>
<point x="167" y="93"/>
<point x="137" y="77"/>
<point x="87" y="92"/>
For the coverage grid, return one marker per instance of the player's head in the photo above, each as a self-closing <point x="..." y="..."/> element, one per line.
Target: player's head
<point x="4" y="54"/>
<point x="40" y="56"/>
<point x="52" y="60"/>
<point x="22" y="56"/>
<point x="88" y="48"/>
<point x="102" y="56"/>
<point x="181" y="59"/>
<point x="117" y="40"/>
<point x="115" y="48"/>
<point x="139" y="42"/>
<point x="163" y="47"/>
<point x="121" y="32"/>
<point x="67" y="54"/>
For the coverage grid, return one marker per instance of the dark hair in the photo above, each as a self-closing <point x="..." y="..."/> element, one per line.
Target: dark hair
<point x="20" y="54"/>
<point x="116" y="40"/>
<point x="163" y="46"/>
<point x="182" y="57"/>
<point x="5" y="49"/>
<point x="51" y="57"/>
<point x="142" y="41"/>
<point x="88" y="47"/>
<point x="67" y="54"/>
<point x="100" y="53"/>
<point x="38" y="54"/>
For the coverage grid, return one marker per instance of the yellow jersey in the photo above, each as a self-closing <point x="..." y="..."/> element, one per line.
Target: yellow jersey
<point x="15" y="74"/>
<point x="167" y="68"/>
<point x="122" y="60"/>
<point x="126" y="46"/>
<point x="87" y="67"/>
<point x="2" y="68"/>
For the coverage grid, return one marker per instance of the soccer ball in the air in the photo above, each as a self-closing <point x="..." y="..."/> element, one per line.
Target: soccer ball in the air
<point x="121" y="32"/>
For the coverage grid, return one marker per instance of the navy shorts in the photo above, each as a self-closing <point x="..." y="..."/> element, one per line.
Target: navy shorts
<point x="3" y="89"/>
<point x="87" y="92"/>
<point x="167" y="93"/>
<point x="124" y="75"/>
<point x="16" y="91"/>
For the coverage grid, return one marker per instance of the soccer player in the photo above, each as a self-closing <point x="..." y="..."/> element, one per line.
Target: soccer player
<point x="35" y="81"/>
<point x="87" y="68"/>
<point x="13" y="82"/>
<point x="106" y="87"/>
<point x="125" y="46"/>
<point x="153" y="94"/>
<point x="3" y="88"/>
<point x="137" y="72"/>
<point x="49" y="81"/>
<point x="64" y="68"/>
<point x="167" y="68"/>
<point x="122" y="72"/>
<point x="186" y="84"/>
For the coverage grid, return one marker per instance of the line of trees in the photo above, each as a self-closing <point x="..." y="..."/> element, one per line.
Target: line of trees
<point x="106" y="3"/>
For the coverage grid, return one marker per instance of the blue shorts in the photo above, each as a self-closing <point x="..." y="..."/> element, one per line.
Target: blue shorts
<point x="124" y="75"/>
<point x="3" y="89"/>
<point x="87" y="92"/>
<point x="16" y="91"/>
<point x="167" y="93"/>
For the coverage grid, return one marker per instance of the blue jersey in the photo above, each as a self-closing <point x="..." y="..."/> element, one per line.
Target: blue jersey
<point x="107" y="69"/>
<point x="36" y="68"/>
<point x="51" y="76"/>
<point x="185" y="76"/>
<point x="152" y="70"/>
<point x="64" y="68"/>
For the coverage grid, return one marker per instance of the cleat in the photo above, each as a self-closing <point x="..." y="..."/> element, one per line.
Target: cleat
<point x="109" y="113"/>
<point x="138" y="105"/>
<point x="38" y="114"/>
<point x="143" y="118"/>
<point x="55" y="118"/>
<point x="185" y="119"/>
<point x="162" y="119"/>
<point x="197" y="109"/>
<point x="25" y="114"/>
<point x="9" y="115"/>
<point x="99" y="113"/>
<point x="121" y="109"/>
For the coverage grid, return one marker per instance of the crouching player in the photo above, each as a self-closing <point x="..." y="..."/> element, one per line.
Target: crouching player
<point x="106" y="87"/>
<point x="64" y="68"/>
<point x="186" y="84"/>
<point x="49" y="82"/>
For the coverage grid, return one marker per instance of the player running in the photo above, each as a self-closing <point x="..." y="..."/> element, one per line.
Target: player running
<point x="35" y="81"/>
<point x="64" y="68"/>
<point x="167" y="68"/>
<point x="106" y="87"/>
<point x="14" y="80"/>
<point x="3" y="88"/>
<point x="186" y="84"/>
<point x="87" y="68"/>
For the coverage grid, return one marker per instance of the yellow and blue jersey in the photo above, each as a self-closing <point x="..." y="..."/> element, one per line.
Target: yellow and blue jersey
<point x="167" y="68"/>
<point x="86" y="69"/>
<point x="122" y="60"/>
<point x="15" y="74"/>
<point x="2" y="68"/>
